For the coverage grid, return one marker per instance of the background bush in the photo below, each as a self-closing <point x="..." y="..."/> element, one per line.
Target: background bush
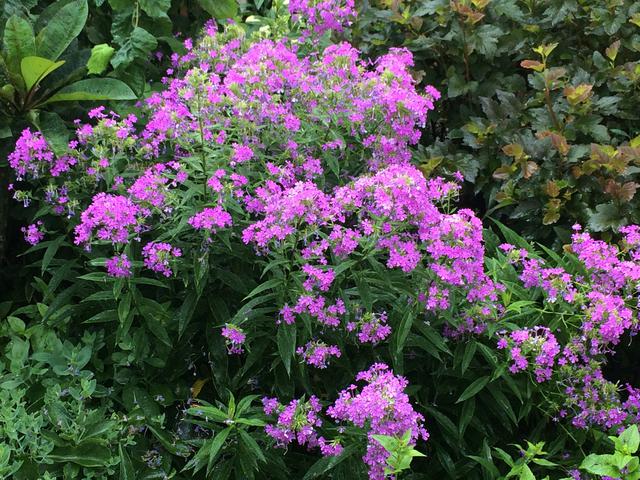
<point x="540" y="107"/>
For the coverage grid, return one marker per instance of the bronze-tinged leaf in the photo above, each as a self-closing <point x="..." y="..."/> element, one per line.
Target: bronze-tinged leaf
<point x="579" y="94"/>
<point x="529" y="168"/>
<point x="612" y="50"/>
<point x="558" y="141"/>
<point x="504" y="172"/>
<point x="552" y="189"/>
<point x="624" y="192"/>
<point x="577" y="172"/>
<point x="480" y="4"/>
<point x="197" y="387"/>
<point x="514" y="150"/>
<point x="532" y="65"/>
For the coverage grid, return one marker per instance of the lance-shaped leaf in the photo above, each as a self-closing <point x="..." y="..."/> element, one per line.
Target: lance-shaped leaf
<point x="34" y="69"/>
<point x="62" y="28"/>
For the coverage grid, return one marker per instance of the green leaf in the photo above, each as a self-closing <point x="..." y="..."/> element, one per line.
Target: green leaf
<point x="34" y="69"/>
<point x="216" y="444"/>
<point x="474" y="388"/>
<point x="155" y="8"/>
<point x="99" y="60"/>
<point x="607" y="216"/>
<point x="60" y="31"/>
<point x="327" y="463"/>
<point x="251" y="444"/>
<point x="86" y="455"/>
<point x="127" y="472"/>
<point x="94" y="89"/>
<point x="286" y="338"/>
<point x="269" y="284"/>
<point x="631" y="439"/>
<point x="220" y="8"/>
<point x="139" y="44"/>
<point x="18" y="42"/>
<point x="56" y="133"/>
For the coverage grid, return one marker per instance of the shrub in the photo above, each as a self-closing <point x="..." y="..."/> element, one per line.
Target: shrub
<point x="259" y="230"/>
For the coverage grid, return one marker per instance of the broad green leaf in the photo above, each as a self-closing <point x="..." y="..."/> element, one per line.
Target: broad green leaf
<point x="474" y="388"/>
<point x="94" y="89"/>
<point x="216" y="445"/>
<point x="139" y="44"/>
<point x="220" y="8"/>
<point x="155" y="8"/>
<point x="62" y="28"/>
<point x="18" y="42"/>
<point x="56" y="133"/>
<point x="100" y="57"/>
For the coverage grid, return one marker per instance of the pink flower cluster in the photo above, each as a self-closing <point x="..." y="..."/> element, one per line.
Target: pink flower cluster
<point x="33" y="233"/>
<point x="383" y="408"/>
<point x="298" y="422"/>
<point x="370" y="327"/>
<point x="110" y="218"/>
<point x="318" y="353"/>
<point x="323" y="15"/>
<point x="32" y="156"/>
<point x="158" y="257"/>
<point x="234" y="338"/>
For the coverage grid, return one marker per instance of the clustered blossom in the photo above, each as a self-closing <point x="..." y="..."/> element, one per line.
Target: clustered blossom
<point x="119" y="266"/>
<point x="318" y="354"/>
<point x="234" y="338"/>
<point x="370" y="327"/>
<point x="158" y="257"/>
<point x="383" y="408"/>
<point x="33" y="233"/>
<point x="298" y="422"/>
<point x="537" y="343"/>
<point x="323" y="15"/>
<point x="109" y="218"/>
<point x="600" y="302"/>
<point x="211" y="219"/>
<point x="32" y="156"/>
<point x="154" y="185"/>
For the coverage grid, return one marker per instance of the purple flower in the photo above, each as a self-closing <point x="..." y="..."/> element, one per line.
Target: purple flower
<point x="33" y="234"/>
<point x="234" y="337"/>
<point x="119" y="266"/>
<point x="158" y="257"/>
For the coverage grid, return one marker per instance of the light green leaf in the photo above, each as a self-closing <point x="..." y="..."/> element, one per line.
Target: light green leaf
<point x="60" y="31"/>
<point x="94" y="89"/>
<point x="99" y="60"/>
<point x="34" y="69"/>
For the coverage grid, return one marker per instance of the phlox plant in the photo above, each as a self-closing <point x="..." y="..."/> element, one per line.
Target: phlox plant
<point x="258" y="229"/>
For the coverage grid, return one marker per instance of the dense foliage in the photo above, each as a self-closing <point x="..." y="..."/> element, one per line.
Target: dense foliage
<point x="251" y="274"/>
<point x="540" y="107"/>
